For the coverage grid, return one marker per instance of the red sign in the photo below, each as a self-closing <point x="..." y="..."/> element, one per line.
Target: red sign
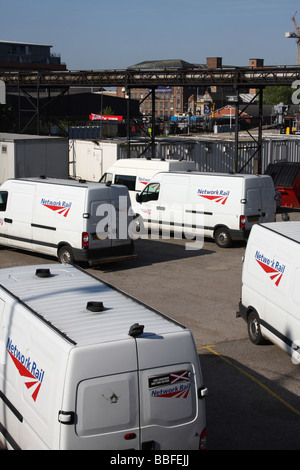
<point x="99" y="117"/>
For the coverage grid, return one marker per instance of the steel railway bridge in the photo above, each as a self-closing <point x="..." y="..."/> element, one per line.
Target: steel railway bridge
<point x="239" y="78"/>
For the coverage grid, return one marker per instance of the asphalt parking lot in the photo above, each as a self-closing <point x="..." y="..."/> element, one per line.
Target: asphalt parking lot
<point x="254" y="393"/>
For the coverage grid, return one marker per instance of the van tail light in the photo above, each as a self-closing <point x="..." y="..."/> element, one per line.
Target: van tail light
<point x="129" y="436"/>
<point x="242" y="221"/>
<point x="203" y="440"/>
<point x="85" y="240"/>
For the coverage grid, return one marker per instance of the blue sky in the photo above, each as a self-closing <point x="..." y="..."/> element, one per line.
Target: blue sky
<point x="114" y="34"/>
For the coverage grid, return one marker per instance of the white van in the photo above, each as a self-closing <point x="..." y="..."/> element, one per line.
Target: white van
<point x="62" y="218"/>
<point x="223" y="206"/>
<point x="85" y="366"/>
<point x="270" y="299"/>
<point x="135" y="173"/>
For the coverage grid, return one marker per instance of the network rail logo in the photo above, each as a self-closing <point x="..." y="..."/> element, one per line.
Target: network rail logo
<point x="61" y="207"/>
<point x="27" y="368"/>
<point x="272" y="267"/>
<point x="143" y="181"/>
<point x="172" y="385"/>
<point x="217" y="195"/>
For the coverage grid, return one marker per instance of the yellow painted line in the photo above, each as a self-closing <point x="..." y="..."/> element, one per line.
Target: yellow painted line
<point x="267" y="389"/>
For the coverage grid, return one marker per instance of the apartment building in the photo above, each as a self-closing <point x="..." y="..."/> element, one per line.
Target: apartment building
<point x="16" y="56"/>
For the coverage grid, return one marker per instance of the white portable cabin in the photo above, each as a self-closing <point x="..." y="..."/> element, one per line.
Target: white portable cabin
<point x="89" y="159"/>
<point x="85" y="366"/>
<point x="23" y="156"/>
<point x="270" y="298"/>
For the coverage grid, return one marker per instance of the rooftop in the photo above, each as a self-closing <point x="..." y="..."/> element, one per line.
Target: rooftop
<point x="61" y="301"/>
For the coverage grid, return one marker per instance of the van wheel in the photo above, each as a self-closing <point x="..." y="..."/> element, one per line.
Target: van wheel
<point x="254" y="331"/>
<point x="65" y="255"/>
<point x="222" y="237"/>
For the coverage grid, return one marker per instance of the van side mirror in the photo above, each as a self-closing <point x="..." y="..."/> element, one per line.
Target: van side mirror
<point x="138" y="197"/>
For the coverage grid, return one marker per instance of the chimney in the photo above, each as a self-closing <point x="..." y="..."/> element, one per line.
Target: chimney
<point x="256" y="63"/>
<point x="214" y="62"/>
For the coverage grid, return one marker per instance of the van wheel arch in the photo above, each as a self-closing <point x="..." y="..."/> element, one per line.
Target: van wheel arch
<point x="222" y="236"/>
<point x="65" y="254"/>
<point x="253" y="328"/>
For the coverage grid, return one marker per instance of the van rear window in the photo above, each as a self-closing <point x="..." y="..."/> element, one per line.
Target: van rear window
<point x="3" y="200"/>
<point x="126" y="180"/>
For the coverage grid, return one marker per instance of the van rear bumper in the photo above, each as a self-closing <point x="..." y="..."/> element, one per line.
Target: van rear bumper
<point x="104" y="255"/>
<point x="239" y="234"/>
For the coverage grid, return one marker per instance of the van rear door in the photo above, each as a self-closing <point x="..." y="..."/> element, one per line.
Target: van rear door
<point x="100" y="409"/>
<point x="260" y="204"/>
<point x="172" y="414"/>
<point x="99" y="224"/>
<point x="139" y="393"/>
<point x="17" y="218"/>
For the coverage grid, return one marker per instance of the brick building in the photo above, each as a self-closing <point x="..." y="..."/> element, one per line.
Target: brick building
<point x="177" y="100"/>
<point x="169" y="101"/>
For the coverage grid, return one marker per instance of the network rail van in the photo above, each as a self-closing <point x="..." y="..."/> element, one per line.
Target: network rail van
<point x="270" y="297"/>
<point x="66" y="219"/>
<point x="135" y="173"/>
<point x="216" y="205"/>
<point x="85" y="366"/>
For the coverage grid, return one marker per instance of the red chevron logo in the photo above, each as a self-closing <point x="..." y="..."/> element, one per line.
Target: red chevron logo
<point x="221" y="199"/>
<point x="274" y="273"/>
<point x="59" y="209"/>
<point x="33" y="381"/>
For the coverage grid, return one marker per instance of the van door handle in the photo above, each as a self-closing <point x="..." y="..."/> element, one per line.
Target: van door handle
<point x="9" y="221"/>
<point x="66" y="417"/>
<point x="160" y="208"/>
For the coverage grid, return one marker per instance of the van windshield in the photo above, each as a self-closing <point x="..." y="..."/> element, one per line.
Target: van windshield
<point x="3" y="200"/>
<point x="150" y="193"/>
<point x="106" y="178"/>
<point x="126" y="180"/>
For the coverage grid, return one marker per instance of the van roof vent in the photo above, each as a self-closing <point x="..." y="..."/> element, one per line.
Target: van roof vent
<point x="136" y="330"/>
<point x="94" y="306"/>
<point x="43" y="272"/>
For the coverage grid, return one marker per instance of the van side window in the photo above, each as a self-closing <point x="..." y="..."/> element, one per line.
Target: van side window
<point x="3" y="200"/>
<point x="106" y="178"/>
<point x="150" y="193"/>
<point x="126" y="180"/>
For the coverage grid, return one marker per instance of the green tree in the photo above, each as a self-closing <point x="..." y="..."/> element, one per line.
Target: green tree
<point x="277" y="94"/>
<point x="107" y="111"/>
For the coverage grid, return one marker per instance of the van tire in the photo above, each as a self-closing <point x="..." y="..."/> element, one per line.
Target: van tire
<point x="254" y="331"/>
<point x="222" y="237"/>
<point x="65" y="255"/>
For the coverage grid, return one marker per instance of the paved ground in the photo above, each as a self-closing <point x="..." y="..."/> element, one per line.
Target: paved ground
<point x="254" y="392"/>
